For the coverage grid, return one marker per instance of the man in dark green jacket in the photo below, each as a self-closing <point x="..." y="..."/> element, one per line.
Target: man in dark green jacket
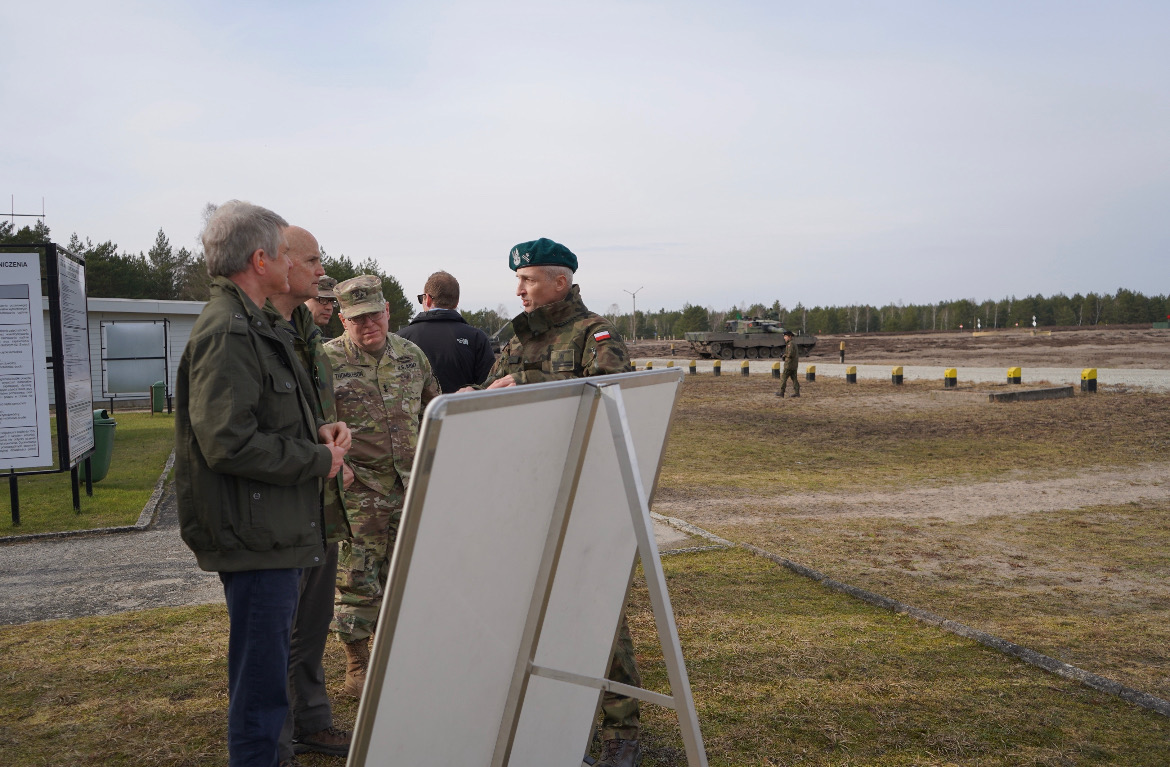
<point x="309" y="725"/>
<point x="250" y="456"/>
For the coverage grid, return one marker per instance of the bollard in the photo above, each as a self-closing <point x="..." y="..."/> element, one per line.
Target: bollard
<point x="1089" y="380"/>
<point x="810" y="373"/>
<point x="744" y="368"/>
<point x="1014" y="375"/>
<point x="649" y="364"/>
<point x="693" y="369"/>
<point x="950" y="378"/>
<point x="717" y="367"/>
<point x="851" y="374"/>
<point x="671" y="352"/>
<point x="775" y="369"/>
<point x="842" y="352"/>
<point x="670" y="363"/>
<point x="896" y="376"/>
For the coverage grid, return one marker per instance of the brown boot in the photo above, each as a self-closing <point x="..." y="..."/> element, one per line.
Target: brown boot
<point x="357" y="660"/>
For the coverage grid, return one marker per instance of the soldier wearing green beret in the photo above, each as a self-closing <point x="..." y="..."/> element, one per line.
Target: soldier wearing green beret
<point x="558" y="338"/>
<point x="382" y="384"/>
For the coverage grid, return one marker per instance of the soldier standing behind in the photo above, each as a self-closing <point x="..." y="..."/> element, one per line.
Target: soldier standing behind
<point x="558" y="338"/>
<point x="382" y="384"/>
<point x="791" y="357"/>
<point x="322" y="304"/>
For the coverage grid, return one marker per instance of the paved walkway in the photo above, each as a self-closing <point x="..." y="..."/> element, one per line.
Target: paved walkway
<point x="104" y="574"/>
<point x="1157" y="380"/>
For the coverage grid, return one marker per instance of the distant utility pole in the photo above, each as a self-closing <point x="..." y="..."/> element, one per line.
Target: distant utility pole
<point x="634" y="316"/>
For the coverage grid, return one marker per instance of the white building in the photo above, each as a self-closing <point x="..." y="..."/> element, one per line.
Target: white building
<point x="181" y="316"/>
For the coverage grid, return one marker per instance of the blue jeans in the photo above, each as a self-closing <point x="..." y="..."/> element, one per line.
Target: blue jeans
<point x="261" y="605"/>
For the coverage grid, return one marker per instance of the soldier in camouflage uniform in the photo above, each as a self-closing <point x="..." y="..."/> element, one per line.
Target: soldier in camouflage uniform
<point x="791" y="357"/>
<point x="557" y="338"/>
<point x="382" y="384"/>
<point x="309" y="725"/>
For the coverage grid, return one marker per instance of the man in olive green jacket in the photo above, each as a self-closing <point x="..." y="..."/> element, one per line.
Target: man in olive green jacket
<point x="250" y="456"/>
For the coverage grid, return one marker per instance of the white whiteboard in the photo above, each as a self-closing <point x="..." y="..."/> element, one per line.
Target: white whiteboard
<point x="487" y="477"/>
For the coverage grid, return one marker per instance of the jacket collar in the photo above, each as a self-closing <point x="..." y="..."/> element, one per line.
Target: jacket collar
<point x="355" y="356"/>
<point x="222" y="286"/>
<point x="438" y="314"/>
<point x="551" y="315"/>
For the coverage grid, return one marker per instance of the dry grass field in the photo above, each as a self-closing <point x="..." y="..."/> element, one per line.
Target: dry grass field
<point x="1044" y="523"/>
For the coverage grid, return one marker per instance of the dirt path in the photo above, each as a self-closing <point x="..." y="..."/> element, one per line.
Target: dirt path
<point x="951" y="503"/>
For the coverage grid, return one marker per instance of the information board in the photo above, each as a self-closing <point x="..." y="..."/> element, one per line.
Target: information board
<point x="75" y="368"/>
<point x="25" y="440"/>
<point x="514" y="554"/>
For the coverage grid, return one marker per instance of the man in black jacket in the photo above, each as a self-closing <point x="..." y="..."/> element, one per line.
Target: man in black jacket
<point x="460" y="354"/>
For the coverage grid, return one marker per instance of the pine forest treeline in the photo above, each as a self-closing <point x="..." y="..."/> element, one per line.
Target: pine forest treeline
<point x="166" y="273"/>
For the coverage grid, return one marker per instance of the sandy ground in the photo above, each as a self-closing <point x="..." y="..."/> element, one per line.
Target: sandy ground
<point x="951" y="503"/>
<point x="1100" y="347"/>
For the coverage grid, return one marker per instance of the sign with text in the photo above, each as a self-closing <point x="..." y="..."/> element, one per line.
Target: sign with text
<point x="25" y="440"/>
<point x="75" y="371"/>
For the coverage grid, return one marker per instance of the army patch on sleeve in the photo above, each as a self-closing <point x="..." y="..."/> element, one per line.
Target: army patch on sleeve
<point x="562" y="361"/>
<point x="602" y="336"/>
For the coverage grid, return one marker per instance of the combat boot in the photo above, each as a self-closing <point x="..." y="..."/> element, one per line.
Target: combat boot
<point x="620" y="753"/>
<point x="357" y="660"/>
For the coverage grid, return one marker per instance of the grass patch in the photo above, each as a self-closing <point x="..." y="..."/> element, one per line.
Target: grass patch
<point x="783" y="672"/>
<point x="1086" y="586"/>
<point x="142" y="443"/>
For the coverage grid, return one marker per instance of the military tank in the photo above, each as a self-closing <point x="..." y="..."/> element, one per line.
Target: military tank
<point x="751" y="339"/>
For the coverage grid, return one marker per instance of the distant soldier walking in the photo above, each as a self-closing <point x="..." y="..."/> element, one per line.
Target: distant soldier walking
<point x="791" y="357"/>
<point x="382" y="383"/>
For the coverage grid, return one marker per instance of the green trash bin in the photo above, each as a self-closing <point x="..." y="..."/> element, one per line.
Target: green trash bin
<point x="103" y="446"/>
<point x="158" y="396"/>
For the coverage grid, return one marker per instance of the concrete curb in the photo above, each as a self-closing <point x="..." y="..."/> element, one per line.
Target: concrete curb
<point x="146" y="517"/>
<point x="1040" y="660"/>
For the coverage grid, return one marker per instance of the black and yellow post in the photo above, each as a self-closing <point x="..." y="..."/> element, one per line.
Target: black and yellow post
<point x="670" y="363"/>
<point x="896" y="376"/>
<point x="671" y="352"/>
<point x="649" y="364"/>
<point x="851" y="374"/>
<point x="775" y="369"/>
<point x="842" y="352"/>
<point x="950" y="378"/>
<point x="717" y="367"/>
<point x="810" y="373"/>
<point x="744" y="369"/>
<point x="1015" y="375"/>
<point x="1089" y="380"/>
<point x="693" y="369"/>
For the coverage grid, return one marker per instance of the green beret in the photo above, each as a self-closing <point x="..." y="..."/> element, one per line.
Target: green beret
<point x="542" y="252"/>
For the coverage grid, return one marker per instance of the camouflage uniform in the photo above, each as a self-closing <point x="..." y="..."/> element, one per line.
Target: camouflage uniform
<point x="791" y="357"/>
<point x="382" y="400"/>
<point x="560" y="341"/>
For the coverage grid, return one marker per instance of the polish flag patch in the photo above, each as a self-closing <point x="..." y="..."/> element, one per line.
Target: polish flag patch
<point x="603" y="335"/>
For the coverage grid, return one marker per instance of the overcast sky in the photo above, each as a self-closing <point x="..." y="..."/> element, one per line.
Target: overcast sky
<point x="712" y="153"/>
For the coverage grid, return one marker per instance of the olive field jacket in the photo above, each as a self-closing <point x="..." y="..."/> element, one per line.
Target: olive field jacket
<point x="248" y="467"/>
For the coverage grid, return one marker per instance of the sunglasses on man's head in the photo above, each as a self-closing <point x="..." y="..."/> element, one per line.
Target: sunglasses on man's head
<point x="421" y="296"/>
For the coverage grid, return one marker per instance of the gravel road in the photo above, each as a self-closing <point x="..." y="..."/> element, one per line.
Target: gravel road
<point x="1155" y="380"/>
<point x="104" y="574"/>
